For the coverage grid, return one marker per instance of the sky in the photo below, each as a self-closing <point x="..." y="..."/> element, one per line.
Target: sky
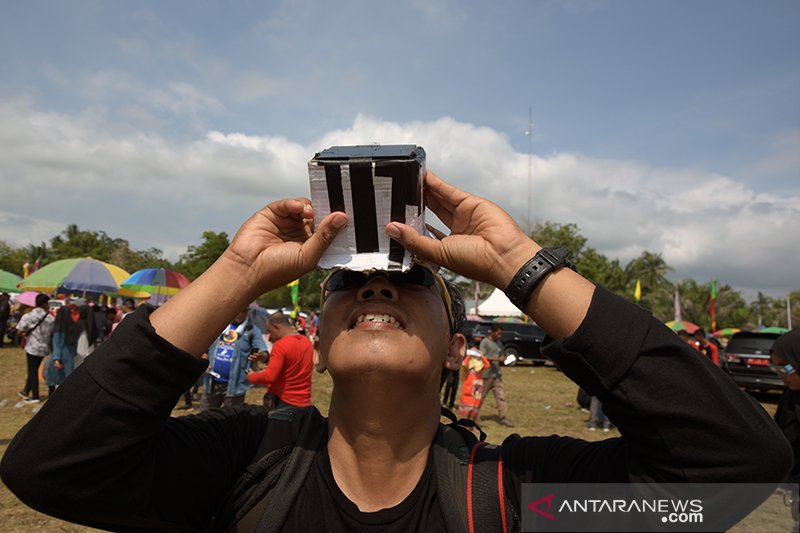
<point x="672" y="127"/>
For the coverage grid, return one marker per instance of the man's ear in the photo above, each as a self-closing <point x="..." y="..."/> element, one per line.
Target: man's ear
<point x="456" y="351"/>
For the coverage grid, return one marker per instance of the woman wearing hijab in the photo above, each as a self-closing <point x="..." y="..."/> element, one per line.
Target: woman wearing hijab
<point x="785" y="360"/>
<point x="88" y="333"/>
<point x="65" y="345"/>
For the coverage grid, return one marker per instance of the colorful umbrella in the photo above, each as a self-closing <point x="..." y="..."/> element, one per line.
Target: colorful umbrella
<point x="773" y="329"/>
<point x="508" y="319"/>
<point x="8" y="282"/>
<point x="79" y="275"/>
<point x="28" y="298"/>
<point x="682" y="325"/>
<point x="158" y="281"/>
<point x="725" y="332"/>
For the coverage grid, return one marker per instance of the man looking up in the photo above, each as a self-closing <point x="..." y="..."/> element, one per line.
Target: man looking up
<point x="288" y="373"/>
<point x="124" y="463"/>
<point x="492" y="349"/>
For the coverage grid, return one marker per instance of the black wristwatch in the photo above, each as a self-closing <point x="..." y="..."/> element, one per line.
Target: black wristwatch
<point x="545" y="261"/>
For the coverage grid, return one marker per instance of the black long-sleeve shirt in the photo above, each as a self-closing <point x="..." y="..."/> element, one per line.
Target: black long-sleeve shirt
<point x="105" y="452"/>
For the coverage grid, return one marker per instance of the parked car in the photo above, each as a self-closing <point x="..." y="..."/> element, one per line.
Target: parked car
<point x="746" y="360"/>
<point x="475" y="330"/>
<point x="522" y="340"/>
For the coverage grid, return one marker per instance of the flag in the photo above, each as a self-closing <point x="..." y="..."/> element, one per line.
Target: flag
<point x="677" y="303"/>
<point x="25" y="269"/>
<point x="637" y="292"/>
<point x="294" y="290"/>
<point x="712" y="305"/>
<point x="36" y="264"/>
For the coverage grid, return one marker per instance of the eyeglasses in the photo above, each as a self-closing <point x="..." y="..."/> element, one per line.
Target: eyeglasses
<point x="782" y="370"/>
<point x="341" y="279"/>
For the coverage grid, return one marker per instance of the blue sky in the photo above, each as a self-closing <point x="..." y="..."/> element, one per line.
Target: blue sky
<point x="667" y="126"/>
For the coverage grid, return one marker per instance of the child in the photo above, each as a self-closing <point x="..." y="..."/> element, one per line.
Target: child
<point x="472" y="393"/>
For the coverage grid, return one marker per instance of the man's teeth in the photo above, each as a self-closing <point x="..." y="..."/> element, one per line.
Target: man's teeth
<point x="379" y="318"/>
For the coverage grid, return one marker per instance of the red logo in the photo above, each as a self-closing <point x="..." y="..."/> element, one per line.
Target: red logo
<point x="535" y="506"/>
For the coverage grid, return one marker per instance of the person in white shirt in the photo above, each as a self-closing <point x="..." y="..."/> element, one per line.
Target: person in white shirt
<point x="37" y="327"/>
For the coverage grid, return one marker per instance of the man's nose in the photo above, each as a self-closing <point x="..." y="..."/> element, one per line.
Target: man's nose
<point x="377" y="287"/>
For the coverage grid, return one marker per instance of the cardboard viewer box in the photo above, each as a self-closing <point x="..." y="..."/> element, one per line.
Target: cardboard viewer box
<point x="373" y="184"/>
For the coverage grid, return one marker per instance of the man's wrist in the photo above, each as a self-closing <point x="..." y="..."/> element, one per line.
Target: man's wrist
<point x="545" y="262"/>
<point x="514" y="260"/>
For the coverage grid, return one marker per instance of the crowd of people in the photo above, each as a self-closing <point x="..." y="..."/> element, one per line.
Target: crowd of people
<point x="59" y="340"/>
<point x="56" y="340"/>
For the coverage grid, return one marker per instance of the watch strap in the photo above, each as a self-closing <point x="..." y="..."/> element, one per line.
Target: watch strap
<point x="545" y="261"/>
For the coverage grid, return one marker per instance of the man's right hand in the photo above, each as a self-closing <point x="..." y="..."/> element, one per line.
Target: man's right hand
<point x="273" y="247"/>
<point x="278" y="244"/>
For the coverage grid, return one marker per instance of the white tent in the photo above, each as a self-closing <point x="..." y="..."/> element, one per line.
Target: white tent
<point x="498" y="304"/>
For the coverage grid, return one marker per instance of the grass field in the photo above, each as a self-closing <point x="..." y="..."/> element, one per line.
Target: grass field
<point x="541" y="402"/>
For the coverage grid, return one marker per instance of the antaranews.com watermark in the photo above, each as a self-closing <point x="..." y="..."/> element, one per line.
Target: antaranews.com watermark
<point x="628" y="507"/>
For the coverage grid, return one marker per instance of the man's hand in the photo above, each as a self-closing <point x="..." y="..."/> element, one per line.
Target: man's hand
<point x="278" y="245"/>
<point x="273" y="247"/>
<point x="261" y="357"/>
<point x="484" y="244"/>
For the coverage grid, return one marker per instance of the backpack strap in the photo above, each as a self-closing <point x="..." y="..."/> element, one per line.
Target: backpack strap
<point x="242" y="508"/>
<point x="270" y="511"/>
<point x="472" y="472"/>
<point x="485" y="492"/>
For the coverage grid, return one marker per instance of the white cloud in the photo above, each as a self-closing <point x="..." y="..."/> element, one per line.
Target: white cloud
<point x="58" y="169"/>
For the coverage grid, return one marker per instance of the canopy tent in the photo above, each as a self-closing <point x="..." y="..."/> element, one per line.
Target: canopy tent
<point x="498" y="304"/>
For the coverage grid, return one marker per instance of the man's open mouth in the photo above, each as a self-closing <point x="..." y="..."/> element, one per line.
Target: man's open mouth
<point x="378" y="319"/>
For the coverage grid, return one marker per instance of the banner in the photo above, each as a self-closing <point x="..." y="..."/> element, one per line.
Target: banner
<point x="637" y="292"/>
<point x="627" y="507"/>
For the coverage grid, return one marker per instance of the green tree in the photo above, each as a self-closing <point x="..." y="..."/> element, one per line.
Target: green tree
<point x="763" y="311"/>
<point x="597" y="268"/>
<point x="11" y="258"/>
<point x="651" y="271"/>
<point x="198" y="258"/>
<point x="731" y="307"/>
<point x="567" y="235"/>
<point x="74" y="242"/>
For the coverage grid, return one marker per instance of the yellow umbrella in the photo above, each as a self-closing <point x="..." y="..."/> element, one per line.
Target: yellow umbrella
<point x="78" y="275"/>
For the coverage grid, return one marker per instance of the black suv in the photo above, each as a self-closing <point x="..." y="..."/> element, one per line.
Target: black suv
<point x="746" y="360"/>
<point x="523" y="341"/>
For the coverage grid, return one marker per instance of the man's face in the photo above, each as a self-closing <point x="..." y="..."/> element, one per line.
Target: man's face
<point x="791" y="380"/>
<point x="239" y="318"/>
<point x="400" y="331"/>
<point x="496" y="334"/>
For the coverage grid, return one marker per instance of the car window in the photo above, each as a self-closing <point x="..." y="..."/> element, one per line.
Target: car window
<point x="752" y="343"/>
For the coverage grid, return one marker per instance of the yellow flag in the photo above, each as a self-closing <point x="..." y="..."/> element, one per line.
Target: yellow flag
<point x="637" y="293"/>
<point x="294" y="290"/>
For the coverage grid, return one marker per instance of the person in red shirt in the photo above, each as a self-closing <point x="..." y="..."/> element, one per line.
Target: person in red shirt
<point x="288" y="372"/>
<point x="704" y="346"/>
